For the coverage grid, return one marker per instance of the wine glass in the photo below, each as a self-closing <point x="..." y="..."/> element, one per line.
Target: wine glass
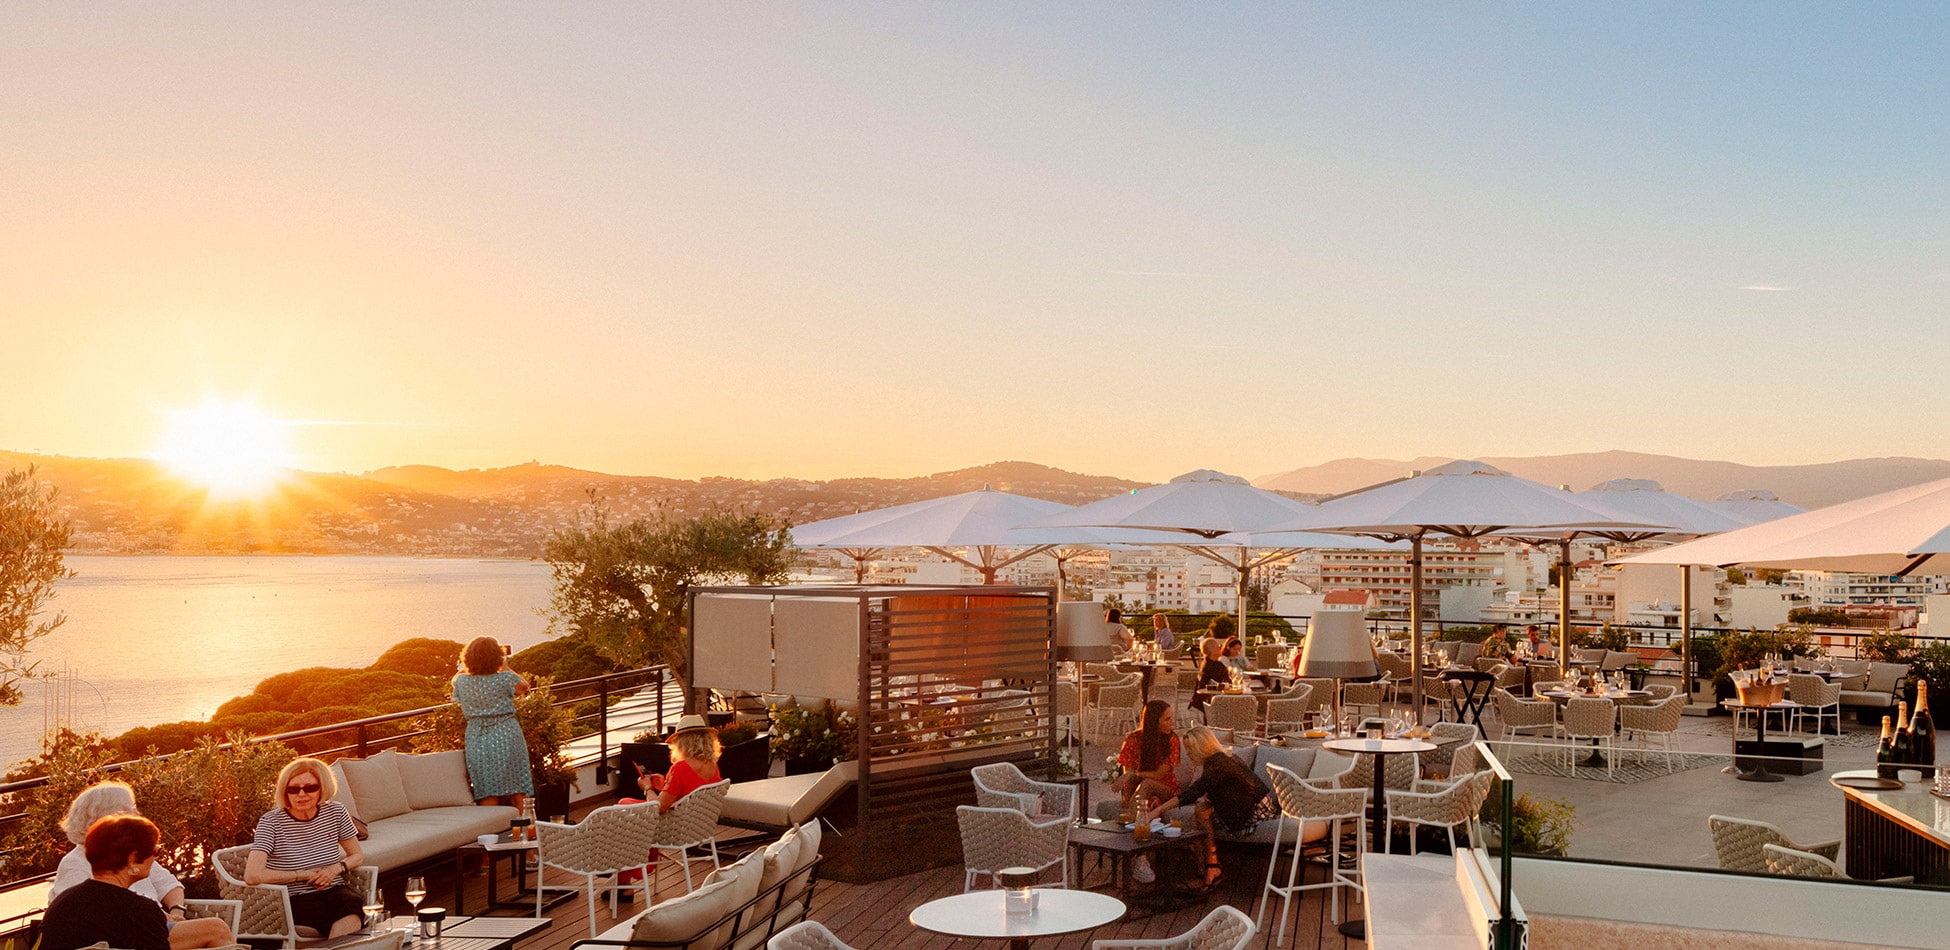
<point x="416" y="891"/>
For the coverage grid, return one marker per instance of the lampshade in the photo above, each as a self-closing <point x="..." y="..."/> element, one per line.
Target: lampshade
<point x="1338" y="647"/>
<point x="1082" y="633"/>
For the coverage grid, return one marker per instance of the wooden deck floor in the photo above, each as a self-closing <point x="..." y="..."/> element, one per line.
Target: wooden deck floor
<point x="875" y="915"/>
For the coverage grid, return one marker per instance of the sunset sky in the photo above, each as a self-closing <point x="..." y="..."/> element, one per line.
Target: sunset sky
<point x="889" y="239"/>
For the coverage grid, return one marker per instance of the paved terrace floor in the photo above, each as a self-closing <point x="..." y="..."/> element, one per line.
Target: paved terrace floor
<point x="1659" y="819"/>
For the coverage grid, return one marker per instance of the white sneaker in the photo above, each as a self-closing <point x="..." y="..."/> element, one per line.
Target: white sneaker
<point x="1141" y="870"/>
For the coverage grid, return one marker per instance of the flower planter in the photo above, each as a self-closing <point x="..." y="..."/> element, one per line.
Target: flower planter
<point x="747" y="761"/>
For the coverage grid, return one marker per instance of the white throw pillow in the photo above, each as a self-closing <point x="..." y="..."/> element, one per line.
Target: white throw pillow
<point x="809" y="835"/>
<point x="780" y="858"/>
<point x="345" y="796"/>
<point x="1328" y="764"/>
<point x="376" y="784"/>
<point x="1298" y="760"/>
<point x="436" y="779"/>
<point x="685" y="918"/>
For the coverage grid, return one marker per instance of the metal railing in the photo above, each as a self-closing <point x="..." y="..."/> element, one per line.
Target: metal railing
<point x="370" y="735"/>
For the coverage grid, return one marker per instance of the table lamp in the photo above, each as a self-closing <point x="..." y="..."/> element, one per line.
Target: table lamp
<point x="1338" y="648"/>
<point x="1082" y="635"/>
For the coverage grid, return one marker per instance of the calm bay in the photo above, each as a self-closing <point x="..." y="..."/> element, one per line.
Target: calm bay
<point x="160" y="639"/>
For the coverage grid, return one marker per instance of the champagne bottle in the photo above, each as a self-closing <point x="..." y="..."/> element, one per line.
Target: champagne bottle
<point x="1885" y="748"/>
<point x="1922" y="729"/>
<point x="1899" y="744"/>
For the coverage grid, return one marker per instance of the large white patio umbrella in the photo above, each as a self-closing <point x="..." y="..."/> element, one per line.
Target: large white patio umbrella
<point x="1753" y="506"/>
<point x="1636" y="499"/>
<point x="1206" y="505"/>
<point x="983" y="522"/>
<point x="1463" y="499"/>
<point x="1898" y="533"/>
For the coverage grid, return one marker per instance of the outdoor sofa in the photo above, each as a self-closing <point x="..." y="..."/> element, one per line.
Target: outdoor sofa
<point x="1873" y="689"/>
<point x="416" y="808"/>
<point x="739" y="906"/>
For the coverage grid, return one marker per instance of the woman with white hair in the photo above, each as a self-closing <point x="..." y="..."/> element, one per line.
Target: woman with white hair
<point x="106" y="799"/>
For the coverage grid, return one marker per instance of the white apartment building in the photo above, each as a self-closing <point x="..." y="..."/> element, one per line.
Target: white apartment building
<point x="1386" y="573"/>
<point x="1842" y="589"/>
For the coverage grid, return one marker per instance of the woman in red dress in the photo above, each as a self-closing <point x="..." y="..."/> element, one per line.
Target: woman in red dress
<point x="694" y="750"/>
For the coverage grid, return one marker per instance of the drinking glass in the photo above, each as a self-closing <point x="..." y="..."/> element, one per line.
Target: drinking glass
<point x="375" y="915"/>
<point x="416" y="891"/>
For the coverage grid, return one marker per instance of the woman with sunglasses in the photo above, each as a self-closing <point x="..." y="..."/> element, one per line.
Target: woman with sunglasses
<point x="307" y="844"/>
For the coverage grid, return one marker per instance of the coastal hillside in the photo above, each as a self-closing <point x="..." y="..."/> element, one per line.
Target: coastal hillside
<point x="1810" y="486"/>
<point x="134" y="506"/>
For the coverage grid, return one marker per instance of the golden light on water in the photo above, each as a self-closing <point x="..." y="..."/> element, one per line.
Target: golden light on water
<point x="233" y="448"/>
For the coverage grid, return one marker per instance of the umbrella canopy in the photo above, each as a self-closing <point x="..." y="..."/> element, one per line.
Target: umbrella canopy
<point x="1753" y="506"/>
<point x="1635" y="499"/>
<point x="1897" y="533"/>
<point x="982" y="521"/>
<point x="1203" y="503"/>
<point x="1642" y="499"/>
<point x="1201" y="508"/>
<point x="1463" y="499"/>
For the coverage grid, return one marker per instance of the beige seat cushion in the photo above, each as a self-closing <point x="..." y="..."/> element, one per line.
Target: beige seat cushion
<point x="780" y="858"/>
<point x="344" y="795"/>
<point x="786" y="801"/>
<point x="435" y="780"/>
<point x="376" y="784"/>
<point x="1883" y="677"/>
<point x="1328" y="764"/>
<point x="687" y="917"/>
<point x="415" y="835"/>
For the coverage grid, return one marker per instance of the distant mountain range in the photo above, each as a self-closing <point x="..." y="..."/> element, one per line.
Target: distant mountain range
<point x="135" y="506"/>
<point x="1810" y="486"/>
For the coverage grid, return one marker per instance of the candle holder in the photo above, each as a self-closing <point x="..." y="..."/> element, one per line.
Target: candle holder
<point x="1019" y="894"/>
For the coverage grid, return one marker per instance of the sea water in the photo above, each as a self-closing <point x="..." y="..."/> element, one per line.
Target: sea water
<point x="161" y="639"/>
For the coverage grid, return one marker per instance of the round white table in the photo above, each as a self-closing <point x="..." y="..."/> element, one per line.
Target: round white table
<point x="979" y="914"/>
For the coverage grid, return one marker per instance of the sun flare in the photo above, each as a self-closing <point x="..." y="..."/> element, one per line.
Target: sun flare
<point x="233" y="448"/>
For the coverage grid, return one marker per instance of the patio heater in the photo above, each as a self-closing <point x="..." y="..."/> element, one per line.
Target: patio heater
<point x="1338" y="648"/>
<point x="1082" y="635"/>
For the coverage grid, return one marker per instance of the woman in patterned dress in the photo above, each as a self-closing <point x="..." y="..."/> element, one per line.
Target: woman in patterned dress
<point x="497" y="755"/>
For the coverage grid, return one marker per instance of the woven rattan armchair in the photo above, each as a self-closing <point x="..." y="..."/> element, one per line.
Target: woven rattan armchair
<point x="1307" y="804"/>
<point x="692" y="822"/>
<point x="1322" y="695"/>
<point x="1359" y="696"/>
<point x="1116" y="711"/>
<point x="1002" y="785"/>
<point x="1592" y="718"/>
<point x="1239" y="713"/>
<point x="1659" y="720"/>
<point x="996" y="838"/>
<point x="264" y="910"/>
<point x="1286" y="715"/>
<point x="1815" y="698"/>
<point x="1788" y="862"/>
<point x="608" y="841"/>
<point x="1437" y="804"/>
<point x="1401" y="771"/>
<point x="806" y="935"/>
<point x="1225" y="928"/>
<point x="1516" y="715"/>
<point x="1439" y="761"/>
<point x="1738" y="842"/>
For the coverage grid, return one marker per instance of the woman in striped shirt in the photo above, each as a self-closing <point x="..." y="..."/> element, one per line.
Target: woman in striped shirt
<point x="307" y="844"/>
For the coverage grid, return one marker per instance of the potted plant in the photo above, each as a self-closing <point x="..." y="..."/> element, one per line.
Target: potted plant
<point x="1541" y="825"/>
<point x="747" y="755"/>
<point x="811" y="738"/>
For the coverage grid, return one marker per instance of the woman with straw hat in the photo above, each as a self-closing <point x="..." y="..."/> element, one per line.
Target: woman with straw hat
<point x="694" y="750"/>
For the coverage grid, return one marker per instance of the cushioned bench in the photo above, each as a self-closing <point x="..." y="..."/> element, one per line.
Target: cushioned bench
<point x="775" y="804"/>
<point x="739" y="906"/>
<point x="416" y="807"/>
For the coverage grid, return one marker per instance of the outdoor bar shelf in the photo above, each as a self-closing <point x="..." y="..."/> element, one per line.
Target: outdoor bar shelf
<point x="1895" y="832"/>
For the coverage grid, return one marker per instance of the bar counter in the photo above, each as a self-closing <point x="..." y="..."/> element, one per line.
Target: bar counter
<point x="1889" y="833"/>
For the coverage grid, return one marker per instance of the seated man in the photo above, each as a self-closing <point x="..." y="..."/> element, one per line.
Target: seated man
<point x="119" y="850"/>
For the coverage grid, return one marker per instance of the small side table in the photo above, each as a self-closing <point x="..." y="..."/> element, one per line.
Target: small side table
<point x="517" y="852"/>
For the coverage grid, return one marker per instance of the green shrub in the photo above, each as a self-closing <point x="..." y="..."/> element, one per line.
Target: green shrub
<point x="421" y="656"/>
<point x="1885" y="646"/>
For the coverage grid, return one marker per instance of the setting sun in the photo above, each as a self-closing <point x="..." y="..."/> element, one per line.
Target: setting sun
<point x="234" y="448"/>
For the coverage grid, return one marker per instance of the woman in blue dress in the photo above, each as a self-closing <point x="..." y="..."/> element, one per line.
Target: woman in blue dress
<point x="497" y="755"/>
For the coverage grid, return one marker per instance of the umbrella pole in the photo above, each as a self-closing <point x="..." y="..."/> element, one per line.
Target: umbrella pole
<point x="1415" y="618"/>
<point x="1245" y="575"/>
<point x="1563" y="608"/>
<point x="1686" y="631"/>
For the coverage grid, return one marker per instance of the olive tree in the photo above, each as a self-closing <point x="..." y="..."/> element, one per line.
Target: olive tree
<point x="32" y="536"/>
<point x="620" y="587"/>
